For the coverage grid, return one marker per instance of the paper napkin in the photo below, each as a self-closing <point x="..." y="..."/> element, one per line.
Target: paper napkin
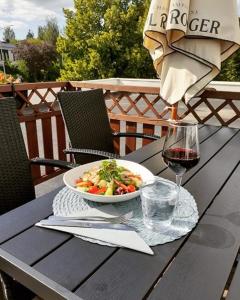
<point x="123" y="238"/>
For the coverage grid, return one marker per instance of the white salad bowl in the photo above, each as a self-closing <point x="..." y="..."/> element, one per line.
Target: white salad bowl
<point x="70" y="177"/>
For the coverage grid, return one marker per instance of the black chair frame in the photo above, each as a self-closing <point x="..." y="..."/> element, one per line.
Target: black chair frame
<point x="16" y="183"/>
<point x="86" y="119"/>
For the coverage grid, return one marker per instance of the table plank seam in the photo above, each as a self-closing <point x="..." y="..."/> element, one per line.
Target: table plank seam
<point x="22" y="272"/>
<point x="120" y="273"/>
<point x="223" y="287"/>
<point x="140" y="162"/>
<point x="195" y="228"/>
<point x="52" y="250"/>
<point x="158" y="279"/>
<point x="16" y="234"/>
<point x="198" y="170"/>
<point x="232" y="273"/>
<point x="170" y="259"/>
<point x="99" y="266"/>
<point x="158" y="154"/>
<point x="187" y="237"/>
<point x="140" y="150"/>
<point x="209" y="136"/>
<point x="221" y="188"/>
<point x="21" y="231"/>
<point x="215" y="196"/>
<point x="70" y="236"/>
<point x="232" y="293"/>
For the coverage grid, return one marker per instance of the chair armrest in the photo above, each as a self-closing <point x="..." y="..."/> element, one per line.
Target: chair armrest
<point x="91" y="152"/>
<point x="53" y="163"/>
<point x="136" y="134"/>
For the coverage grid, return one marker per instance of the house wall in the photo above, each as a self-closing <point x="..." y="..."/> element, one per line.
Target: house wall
<point x="6" y="51"/>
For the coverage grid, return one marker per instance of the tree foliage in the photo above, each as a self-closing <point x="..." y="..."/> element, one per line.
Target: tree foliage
<point x="30" y="34"/>
<point x="8" y="34"/>
<point x="230" y="70"/>
<point x="40" y="58"/>
<point x="49" y="32"/>
<point x="103" y="38"/>
<point x="17" y="69"/>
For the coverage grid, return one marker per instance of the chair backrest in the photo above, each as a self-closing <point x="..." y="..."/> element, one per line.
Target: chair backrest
<point x="16" y="186"/>
<point x="86" y="119"/>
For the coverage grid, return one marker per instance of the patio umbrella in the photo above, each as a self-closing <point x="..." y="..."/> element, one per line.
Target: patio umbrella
<point x="188" y="40"/>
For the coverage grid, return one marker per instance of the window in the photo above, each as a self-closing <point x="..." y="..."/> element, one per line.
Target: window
<point x="5" y="55"/>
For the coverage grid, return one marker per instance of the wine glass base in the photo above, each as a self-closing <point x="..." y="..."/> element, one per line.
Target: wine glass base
<point x="182" y="211"/>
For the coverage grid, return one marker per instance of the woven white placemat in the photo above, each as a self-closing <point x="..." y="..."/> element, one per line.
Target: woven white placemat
<point x="67" y="202"/>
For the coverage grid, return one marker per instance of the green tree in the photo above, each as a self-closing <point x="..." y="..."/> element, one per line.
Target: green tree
<point x="30" y="34"/>
<point x="103" y="38"/>
<point x="17" y="69"/>
<point x="40" y="59"/>
<point x="49" y="32"/>
<point x="8" y="34"/>
<point x="230" y="68"/>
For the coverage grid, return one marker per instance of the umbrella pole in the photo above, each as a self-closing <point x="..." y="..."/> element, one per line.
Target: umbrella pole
<point x="174" y="115"/>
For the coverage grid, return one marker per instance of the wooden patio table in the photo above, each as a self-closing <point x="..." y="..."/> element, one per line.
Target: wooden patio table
<point x="200" y="265"/>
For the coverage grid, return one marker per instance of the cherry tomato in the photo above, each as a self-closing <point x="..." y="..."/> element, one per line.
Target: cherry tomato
<point x="131" y="188"/>
<point x="93" y="190"/>
<point x="101" y="191"/>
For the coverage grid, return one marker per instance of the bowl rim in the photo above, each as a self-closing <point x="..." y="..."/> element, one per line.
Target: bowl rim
<point x="89" y="195"/>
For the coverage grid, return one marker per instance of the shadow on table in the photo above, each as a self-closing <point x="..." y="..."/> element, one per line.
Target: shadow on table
<point x="212" y="236"/>
<point x="233" y="218"/>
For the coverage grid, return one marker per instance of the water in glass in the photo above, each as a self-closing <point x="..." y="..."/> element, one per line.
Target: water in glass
<point x="158" y="202"/>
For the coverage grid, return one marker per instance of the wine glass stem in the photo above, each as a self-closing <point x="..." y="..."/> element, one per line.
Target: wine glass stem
<point x="178" y="182"/>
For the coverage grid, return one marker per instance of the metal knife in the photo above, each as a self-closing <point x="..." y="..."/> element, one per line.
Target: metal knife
<point x="86" y="218"/>
<point x="83" y="224"/>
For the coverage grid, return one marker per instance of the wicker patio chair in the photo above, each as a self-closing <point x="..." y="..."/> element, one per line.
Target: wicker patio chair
<point x="16" y="183"/>
<point x="86" y="119"/>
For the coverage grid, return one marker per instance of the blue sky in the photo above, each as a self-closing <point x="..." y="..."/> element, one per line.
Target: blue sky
<point x="23" y="15"/>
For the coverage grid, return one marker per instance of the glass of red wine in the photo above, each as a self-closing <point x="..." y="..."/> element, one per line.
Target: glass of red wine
<point x="181" y="151"/>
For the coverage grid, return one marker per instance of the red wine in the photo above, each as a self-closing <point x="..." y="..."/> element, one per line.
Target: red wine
<point x="180" y="160"/>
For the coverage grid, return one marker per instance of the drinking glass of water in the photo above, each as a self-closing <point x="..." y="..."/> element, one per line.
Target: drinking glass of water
<point x="158" y="201"/>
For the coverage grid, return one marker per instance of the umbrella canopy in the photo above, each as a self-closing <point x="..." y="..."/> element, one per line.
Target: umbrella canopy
<point x="188" y="40"/>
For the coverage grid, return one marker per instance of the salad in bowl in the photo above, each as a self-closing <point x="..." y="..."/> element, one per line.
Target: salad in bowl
<point x="107" y="181"/>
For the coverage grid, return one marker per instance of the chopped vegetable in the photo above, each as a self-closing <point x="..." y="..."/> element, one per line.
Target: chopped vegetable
<point x="102" y="191"/>
<point x="84" y="183"/>
<point x="93" y="189"/>
<point x="78" y="180"/>
<point x="109" y="179"/>
<point x="131" y="188"/>
<point x="120" y="184"/>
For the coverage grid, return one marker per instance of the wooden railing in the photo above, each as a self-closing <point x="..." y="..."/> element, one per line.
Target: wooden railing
<point x="214" y="107"/>
<point x="132" y="107"/>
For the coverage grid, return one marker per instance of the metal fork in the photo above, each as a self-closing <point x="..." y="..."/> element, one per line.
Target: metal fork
<point x="115" y="220"/>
